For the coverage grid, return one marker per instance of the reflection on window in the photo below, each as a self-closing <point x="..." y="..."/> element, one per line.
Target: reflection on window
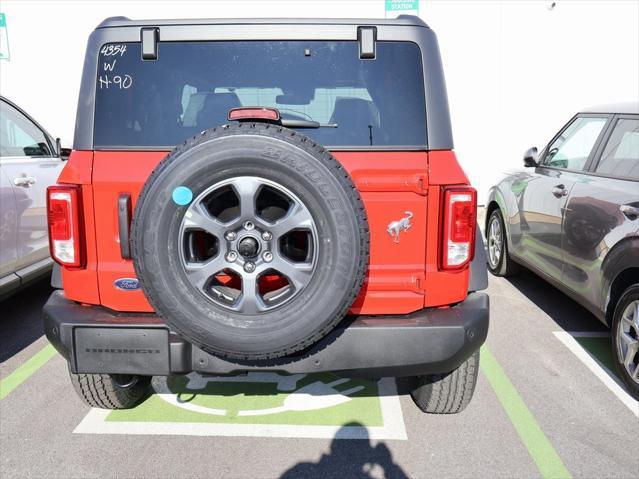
<point x="193" y="85"/>
<point x="573" y="147"/>
<point x="19" y="136"/>
<point x="621" y="155"/>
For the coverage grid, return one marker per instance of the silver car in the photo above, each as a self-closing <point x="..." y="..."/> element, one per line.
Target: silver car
<point x="573" y="218"/>
<point x="30" y="160"/>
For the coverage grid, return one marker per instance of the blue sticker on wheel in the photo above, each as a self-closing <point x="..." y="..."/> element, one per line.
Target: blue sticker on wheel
<point x="182" y="195"/>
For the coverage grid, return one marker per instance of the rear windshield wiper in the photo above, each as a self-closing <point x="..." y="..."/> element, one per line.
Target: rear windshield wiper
<point x="305" y="124"/>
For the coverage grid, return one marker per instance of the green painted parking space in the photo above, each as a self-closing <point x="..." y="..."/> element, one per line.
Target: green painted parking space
<point x="265" y="399"/>
<point x="600" y="349"/>
<point x="260" y="404"/>
<point x="594" y="350"/>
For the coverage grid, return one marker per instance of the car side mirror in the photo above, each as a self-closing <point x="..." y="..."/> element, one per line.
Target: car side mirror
<point x="530" y="157"/>
<point x="62" y="153"/>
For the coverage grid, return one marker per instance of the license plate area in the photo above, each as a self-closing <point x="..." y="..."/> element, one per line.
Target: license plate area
<point x="122" y="351"/>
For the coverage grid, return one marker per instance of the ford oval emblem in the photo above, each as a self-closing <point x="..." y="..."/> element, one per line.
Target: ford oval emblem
<point x="127" y="284"/>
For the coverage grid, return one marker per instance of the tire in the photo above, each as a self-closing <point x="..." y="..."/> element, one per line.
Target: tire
<point x="226" y="313"/>
<point x="447" y="393"/>
<point x="500" y="264"/>
<point x="110" y="391"/>
<point x="625" y="323"/>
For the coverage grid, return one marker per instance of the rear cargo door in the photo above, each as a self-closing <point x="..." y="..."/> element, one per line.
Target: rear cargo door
<point x="370" y="112"/>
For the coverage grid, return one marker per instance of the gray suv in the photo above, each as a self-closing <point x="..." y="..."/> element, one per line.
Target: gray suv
<point x="572" y="217"/>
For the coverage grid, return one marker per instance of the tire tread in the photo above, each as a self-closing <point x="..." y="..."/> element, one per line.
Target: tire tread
<point x="101" y="391"/>
<point x="447" y="393"/>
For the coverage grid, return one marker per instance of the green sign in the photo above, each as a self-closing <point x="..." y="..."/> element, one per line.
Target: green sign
<point x="401" y="7"/>
<point x="4" y="38"/>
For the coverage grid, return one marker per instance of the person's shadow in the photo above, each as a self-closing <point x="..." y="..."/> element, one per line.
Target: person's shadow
<point x="352" y="458"/>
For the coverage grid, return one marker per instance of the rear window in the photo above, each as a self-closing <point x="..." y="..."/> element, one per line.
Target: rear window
<point x="192" y="86"/>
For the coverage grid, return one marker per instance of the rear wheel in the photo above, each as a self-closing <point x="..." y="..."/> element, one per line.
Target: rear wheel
<point x="447" y="393"/>
<point x="625" y="338"/>
<point x="499" y="261"/>
<point x="110" y="391"/>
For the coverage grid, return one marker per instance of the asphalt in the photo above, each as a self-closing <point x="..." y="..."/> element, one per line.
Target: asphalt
<point x="593" y="433"/>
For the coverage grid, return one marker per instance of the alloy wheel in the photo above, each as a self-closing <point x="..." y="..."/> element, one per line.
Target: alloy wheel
<point x="495" y="242"/>
<point x="628" y="340"/>
<point x="248" y="244"/>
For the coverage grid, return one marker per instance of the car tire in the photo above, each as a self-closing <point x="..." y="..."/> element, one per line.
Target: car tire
<point x="110" y="391"/>
<point x="226" y="313"/>
<point x="625" y="338"/>
<point x="498" y="259"/>
<point x="447" y="393"/>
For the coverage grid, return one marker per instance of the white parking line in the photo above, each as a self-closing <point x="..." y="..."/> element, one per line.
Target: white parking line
<point x="605" y="376"/>
<point x="95" y="422"/>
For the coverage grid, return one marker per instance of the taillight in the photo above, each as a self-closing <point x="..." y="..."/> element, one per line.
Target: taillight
<point x="63" y="214"/>
<point x="458" y="227"/>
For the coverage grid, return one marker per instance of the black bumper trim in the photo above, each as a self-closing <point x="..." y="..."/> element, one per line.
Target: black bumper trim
<point x="430" y="341"/>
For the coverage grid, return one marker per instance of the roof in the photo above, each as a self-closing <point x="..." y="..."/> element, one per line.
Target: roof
<point x="628" y="107"/>
<point x="402" y="20"/>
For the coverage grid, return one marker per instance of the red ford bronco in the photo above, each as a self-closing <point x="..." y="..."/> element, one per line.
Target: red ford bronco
<point x="265" y="195"/>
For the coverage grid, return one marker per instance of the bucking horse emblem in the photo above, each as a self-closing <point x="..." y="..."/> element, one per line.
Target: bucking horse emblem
<point x="396" y="227"/>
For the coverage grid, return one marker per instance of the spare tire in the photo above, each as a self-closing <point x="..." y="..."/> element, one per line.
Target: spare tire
<point x="250" y="241"/>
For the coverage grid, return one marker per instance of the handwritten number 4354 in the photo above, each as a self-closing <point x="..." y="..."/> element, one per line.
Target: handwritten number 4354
<point x="112" y="50"/>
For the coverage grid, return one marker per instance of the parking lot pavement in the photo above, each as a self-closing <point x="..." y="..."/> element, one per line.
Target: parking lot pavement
<point x="539" y="410"/>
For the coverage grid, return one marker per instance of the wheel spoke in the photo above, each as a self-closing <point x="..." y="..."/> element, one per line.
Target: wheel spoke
<point x="250" y="301"/>
<point x="198" y="217"/>
<point x="626" y="339"/>
<point x="630" y="353"/>
<point x="199" y="273"/>
<point x="246" y="189"/>
<point x="298" y="217"/>
<point x="298" y="274"/>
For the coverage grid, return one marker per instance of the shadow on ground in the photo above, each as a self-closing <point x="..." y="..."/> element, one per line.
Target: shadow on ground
<point x="350" y="458"/>
<point x="572" y="317"/>
<point x="568" y="314"/>
<point x="21" y="318"/>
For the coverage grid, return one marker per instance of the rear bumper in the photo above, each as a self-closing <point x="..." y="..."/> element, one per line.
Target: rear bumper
<point x="96" y="340"/>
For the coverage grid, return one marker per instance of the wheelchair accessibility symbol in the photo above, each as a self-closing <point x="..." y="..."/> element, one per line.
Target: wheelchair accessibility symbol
<point x="262" y="404"/>
<point x="313" y="396"/>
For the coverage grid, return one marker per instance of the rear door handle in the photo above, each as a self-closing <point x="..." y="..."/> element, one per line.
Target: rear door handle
<point x="559" y="191"/>
<point x="24" y="180"/>
<point x="631" y="212"/>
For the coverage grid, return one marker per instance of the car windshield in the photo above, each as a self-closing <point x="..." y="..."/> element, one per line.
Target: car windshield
<point x="192" y="86"/>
